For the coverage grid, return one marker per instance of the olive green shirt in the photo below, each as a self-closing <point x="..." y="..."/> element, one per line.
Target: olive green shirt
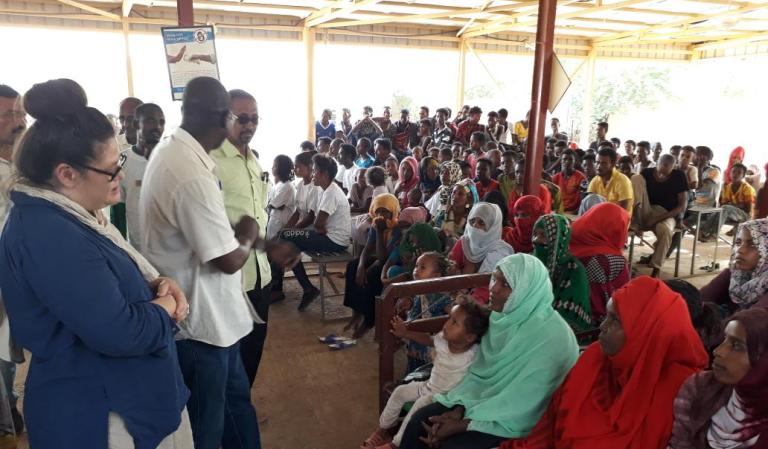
<point x="245" y="193"/>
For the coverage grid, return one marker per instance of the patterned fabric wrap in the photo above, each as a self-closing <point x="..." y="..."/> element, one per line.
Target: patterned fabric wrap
<point x="569" y="278"/>
<point x="747" y="286"/>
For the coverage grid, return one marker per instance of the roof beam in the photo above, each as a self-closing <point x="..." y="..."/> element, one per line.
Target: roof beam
<point x="90" y="9"/>
<point x="426" y="16"/>
<point x="733" y="41"/>
<point x="127" y="6"/>
<point x="323" y="16"/>
<point x="698" y="18"/>
<point x="469" y="23"/>
<point x="568" y="15"/>
<point x="481" y="30"/>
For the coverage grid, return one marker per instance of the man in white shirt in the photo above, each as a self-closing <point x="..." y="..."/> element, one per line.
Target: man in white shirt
<point x="331" y="230"/>
<point x="126" y="139"/>
<point x="186" y="234"/>
<point x="127" y="136"/>
<point x="150" y="124"/>
<point x="13" y="122"/>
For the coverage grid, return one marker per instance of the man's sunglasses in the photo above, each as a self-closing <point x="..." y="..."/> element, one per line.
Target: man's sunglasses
<point x="244" y="118"/>
<point x="112" y="174"/>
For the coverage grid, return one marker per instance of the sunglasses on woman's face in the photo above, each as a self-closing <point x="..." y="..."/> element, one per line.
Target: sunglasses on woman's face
<point x="112" y="174"/>
<point x="244" y="118"/>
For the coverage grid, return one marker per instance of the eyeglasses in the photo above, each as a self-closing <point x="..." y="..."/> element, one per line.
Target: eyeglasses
<point x="112" y="174"/>
<point x="244" y="118"/>
<point x="11" y="115"/>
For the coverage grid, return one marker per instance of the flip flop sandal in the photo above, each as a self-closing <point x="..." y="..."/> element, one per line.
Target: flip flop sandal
<point x="342" y="345"/>
<point x="375" y="440"/>
<point x="332" y="338"/>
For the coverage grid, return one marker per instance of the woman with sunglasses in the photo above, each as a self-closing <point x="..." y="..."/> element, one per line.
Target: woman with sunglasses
<point x="91" y="310"/>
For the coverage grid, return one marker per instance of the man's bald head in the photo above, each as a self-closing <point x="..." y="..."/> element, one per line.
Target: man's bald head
<point x="203" y="96"/>
<point x="205" y="111"/>
<point x="127" y="114"/>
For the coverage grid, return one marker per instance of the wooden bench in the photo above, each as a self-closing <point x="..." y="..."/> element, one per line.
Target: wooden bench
<point x="322" y="260"/>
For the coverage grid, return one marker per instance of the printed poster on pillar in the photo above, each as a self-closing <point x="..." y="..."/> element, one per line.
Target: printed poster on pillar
<point x="190" y="53"/>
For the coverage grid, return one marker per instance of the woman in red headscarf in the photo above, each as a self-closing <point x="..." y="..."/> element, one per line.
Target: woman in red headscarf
<point x="597" y="240"/>
<point x="737" y="156"/>
<point x="526" y="211"/>
<point x="619" y="395"/>
<point x="727" y="407"/>
<point x="409" y="179"/>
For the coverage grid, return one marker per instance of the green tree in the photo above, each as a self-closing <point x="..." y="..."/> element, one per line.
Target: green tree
<point x="400" y="101"/>
<point x="479" y="92"/>
<point x="632" y="88"/>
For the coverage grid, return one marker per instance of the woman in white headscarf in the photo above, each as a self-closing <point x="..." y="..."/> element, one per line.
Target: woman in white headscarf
<point x="481" y="246"/>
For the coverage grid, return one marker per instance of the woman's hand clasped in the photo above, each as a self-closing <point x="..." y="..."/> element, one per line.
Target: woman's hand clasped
<point x="169" y="296"/>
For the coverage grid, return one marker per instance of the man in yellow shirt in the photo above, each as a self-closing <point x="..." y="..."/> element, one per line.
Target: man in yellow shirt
<point x="245" y="187"/>
<point x="610" y="183"/>
<point x="520" y="132"/>
<point x="737" y="200"/>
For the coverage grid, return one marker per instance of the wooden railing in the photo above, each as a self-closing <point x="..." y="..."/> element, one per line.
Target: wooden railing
<point x="385" y="311"/>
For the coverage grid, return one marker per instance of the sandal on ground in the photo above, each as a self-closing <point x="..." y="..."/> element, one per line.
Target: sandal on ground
<point x="342" y="345"/>
<point x="332" y="338"/>
<point x="387" y="446"/>
<point x="377" y="439"/>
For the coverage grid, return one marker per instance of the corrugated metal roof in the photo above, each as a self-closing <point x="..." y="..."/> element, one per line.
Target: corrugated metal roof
<point x="643" y="29"/>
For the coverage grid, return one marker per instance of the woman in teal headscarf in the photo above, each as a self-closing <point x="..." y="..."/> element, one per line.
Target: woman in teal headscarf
<point x="551" y="240"/>
<point x="523" y="358"/>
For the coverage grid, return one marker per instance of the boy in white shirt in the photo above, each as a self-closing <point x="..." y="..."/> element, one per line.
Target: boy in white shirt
<point x="330" y="231"/>
<point x="346" y="174"/>
<point x="303" y="215"/>
<point x="377" y="180"/>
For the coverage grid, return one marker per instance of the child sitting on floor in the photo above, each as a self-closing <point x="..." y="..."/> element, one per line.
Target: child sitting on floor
<point x="360" y="193"/>
<point x="376" y="178"/>
<point x="455" y="348"/>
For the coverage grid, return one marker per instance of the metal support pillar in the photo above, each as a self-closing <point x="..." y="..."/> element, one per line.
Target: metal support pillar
<point x="308" y="36"/>
<point x="542" y="74"/>
<point x="185" y="13"/>
<point x="462" y="74"/>
<point x="586" y="109"/>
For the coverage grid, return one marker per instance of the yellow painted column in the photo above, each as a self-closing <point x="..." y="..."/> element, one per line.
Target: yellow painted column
<point x="308" y="36"/>
<point x="462" y="74"/>
<point x="586" y="111"/>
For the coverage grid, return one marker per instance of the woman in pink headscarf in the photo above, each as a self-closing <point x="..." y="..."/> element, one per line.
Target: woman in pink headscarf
<point x="409" y="178"/>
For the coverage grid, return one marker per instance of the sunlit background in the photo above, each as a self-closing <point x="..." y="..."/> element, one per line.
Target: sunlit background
<point x="719" y="103"/>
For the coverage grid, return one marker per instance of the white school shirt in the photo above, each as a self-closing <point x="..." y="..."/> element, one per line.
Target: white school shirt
<point x="306" y="197"/>
<point x="130" y="192"/>
<point x="349" y="176"/>
<point x="448" y="369"/>
<point x="360" y="199"/>
<point x="282" y="194"/>
<point x="391" y="184"/>
<point x="380" y="190"/>
<point x="184" y="226"/>
<point x="333" y="202"/>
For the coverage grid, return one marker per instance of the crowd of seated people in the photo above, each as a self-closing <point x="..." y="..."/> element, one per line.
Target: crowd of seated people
<point x="422" y="199"/>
